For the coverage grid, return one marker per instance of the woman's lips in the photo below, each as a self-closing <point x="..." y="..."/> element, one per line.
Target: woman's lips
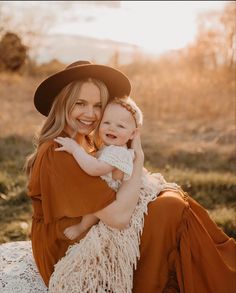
<point x="85" y="123"/>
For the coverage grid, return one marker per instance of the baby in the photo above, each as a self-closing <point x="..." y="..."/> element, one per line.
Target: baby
<point x="114" y="160"/>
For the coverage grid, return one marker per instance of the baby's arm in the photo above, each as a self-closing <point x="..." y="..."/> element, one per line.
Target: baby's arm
<point x="88" y="163"/>
<point x="75" y="231"/>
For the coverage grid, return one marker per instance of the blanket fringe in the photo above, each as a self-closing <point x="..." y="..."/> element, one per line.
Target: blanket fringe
<point x="104" y="260"/>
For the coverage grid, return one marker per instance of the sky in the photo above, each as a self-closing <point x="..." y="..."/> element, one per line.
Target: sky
<point x="156" y="26"/>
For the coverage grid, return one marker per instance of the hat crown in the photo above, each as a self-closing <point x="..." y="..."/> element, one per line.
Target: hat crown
<point x="116" y="82"/>
<point x="78" y="63"/>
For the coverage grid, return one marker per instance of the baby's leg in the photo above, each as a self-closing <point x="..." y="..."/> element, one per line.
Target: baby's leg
<point x="75" y="231"/>
<point x="88" y="221"/>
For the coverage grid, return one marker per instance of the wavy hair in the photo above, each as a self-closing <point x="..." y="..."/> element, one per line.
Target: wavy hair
<point x="58" y="116"/>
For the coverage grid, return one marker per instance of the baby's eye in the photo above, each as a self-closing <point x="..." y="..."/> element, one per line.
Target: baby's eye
<point x="120" y="126"/>
<point x="106" y="122"/>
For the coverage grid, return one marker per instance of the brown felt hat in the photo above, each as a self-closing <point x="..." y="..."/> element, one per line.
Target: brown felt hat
<point x="117" y="83"/>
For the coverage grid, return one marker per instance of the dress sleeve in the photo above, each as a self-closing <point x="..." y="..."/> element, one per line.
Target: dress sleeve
<point x="119" y="157"/>
<point x="64" y="188"/>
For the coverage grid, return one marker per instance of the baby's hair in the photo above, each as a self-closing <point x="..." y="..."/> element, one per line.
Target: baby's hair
<point x="129" y="104"/>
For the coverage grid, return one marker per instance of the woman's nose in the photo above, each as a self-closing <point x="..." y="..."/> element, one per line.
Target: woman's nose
<point x="90" y="112"/>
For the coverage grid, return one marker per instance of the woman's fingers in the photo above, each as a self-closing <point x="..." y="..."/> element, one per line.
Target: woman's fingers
<point x="136" y="142"/>
<point x="136" y="145"/>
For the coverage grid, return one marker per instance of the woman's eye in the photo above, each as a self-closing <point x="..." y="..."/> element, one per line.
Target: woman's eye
<point x="81" y="104"/>
<point x="98" y="106"/>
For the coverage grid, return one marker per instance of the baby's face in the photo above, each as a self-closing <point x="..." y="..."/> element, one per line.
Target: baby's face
<point x="117" y="125"/>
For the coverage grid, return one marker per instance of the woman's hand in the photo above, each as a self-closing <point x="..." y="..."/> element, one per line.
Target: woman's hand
<point x="68" y="144"/>
<point x="136" y="145"/>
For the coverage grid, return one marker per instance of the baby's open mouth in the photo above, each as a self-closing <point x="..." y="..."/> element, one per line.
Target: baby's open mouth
<point x="110" y="135"/>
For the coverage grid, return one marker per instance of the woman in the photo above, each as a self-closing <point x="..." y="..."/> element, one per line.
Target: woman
<point x="182" y="250"/>
<point x="61" y="192"/>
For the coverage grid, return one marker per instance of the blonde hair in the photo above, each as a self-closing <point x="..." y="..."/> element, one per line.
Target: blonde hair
<point x="58" y="116"/>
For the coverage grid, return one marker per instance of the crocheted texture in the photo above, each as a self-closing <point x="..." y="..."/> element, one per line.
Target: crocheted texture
<point x="104" y="260"/>
<point x="101" y="262"/>
<point x="18" y="271"/>
<point x="119" y="157"/>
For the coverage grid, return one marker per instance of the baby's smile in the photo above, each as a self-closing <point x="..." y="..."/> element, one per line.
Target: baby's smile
<point x="111" y="136"/>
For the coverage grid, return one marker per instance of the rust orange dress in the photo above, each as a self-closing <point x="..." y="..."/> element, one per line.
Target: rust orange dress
<point x="182" y="250"/>
<point x="61" y="194"/>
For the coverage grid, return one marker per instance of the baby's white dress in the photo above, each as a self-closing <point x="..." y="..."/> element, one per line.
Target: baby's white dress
<point x="119" y="157"/>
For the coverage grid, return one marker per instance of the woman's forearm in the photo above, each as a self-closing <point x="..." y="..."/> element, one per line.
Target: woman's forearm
<point x="128" y="194"/>
<point x="119" y="212"/>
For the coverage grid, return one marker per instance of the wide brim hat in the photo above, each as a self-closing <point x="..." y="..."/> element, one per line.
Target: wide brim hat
<point x="117" y="82"/>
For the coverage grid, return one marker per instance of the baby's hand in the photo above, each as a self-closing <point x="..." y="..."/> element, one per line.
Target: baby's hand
<point x="68" y="144"/>
<point x="72" y="232"/>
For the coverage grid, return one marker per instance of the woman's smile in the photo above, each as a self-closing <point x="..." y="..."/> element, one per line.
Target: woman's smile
<point x="87" y="109"/>
<point x="87" y="123"/>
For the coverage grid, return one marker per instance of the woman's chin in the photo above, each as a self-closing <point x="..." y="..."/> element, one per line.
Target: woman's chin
<point x="82" y="129"/>
<point x="85" y="130"/>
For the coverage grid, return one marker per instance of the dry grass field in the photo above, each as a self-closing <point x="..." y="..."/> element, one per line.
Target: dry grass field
<point x="188" y="135"/>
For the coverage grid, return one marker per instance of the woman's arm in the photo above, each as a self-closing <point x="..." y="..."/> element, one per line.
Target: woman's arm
<point x="118" y="213"/>
<point x="88" y="163"/>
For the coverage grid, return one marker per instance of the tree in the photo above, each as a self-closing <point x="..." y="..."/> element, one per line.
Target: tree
<point x="215" y="43"/>
<point x="27" y="20"/>
<point x="13" y="53"/>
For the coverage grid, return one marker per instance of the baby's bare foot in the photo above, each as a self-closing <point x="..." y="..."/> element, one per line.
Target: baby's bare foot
<point x="72" y="232"/>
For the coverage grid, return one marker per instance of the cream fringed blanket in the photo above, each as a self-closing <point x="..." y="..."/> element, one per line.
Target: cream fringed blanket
<point x="104" y="260"/>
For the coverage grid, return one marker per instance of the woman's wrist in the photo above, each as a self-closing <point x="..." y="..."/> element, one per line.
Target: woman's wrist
<point x="138" y="163"/>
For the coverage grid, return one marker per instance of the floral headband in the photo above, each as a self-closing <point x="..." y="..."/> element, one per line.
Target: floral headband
<point x="127" y="107"/>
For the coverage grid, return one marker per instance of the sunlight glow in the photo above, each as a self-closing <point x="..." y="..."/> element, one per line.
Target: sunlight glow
<point x="156" y="26"/>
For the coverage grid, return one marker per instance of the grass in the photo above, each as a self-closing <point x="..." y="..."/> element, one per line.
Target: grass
<point x="15" y="218"/>
<point x="214" y="190"/>
<point x="15" y="206"/>
<point x="188" y="136"/>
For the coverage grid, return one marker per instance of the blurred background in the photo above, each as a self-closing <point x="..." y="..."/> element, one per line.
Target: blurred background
<point x="180" y="57"/>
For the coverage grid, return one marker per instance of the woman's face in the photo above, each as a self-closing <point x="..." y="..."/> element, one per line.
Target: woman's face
<point x="87" y="111"/>
<point x="117" y="126"/>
